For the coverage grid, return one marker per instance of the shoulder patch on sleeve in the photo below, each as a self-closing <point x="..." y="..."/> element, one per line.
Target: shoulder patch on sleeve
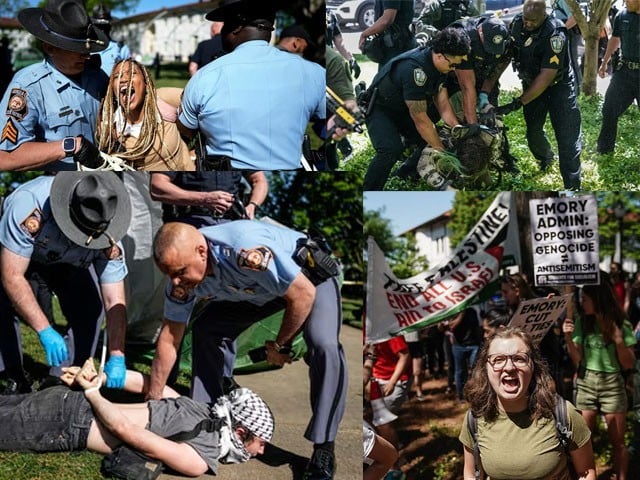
<point x="113" y="252"/>
<point x="31" y="225"/>
<point x="179" y="293"/>
<point x="557" y="42"/>
<point x="419" y="77"/>
<point x="256" y="259"/>
<point x="17" y="106"/>
<point x="10" y="132"/>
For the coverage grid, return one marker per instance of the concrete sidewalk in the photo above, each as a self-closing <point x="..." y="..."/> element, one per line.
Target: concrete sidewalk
<point x="286" y="391"/>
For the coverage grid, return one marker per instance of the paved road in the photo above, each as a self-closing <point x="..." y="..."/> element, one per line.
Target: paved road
<point x="508" y="81"/>
<point x="287" y="392"/>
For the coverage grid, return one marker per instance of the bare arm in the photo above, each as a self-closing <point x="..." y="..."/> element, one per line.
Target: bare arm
<point x="113" y="297"/>
<point x="612" y="46"/>
<point x="193" y="68"/>
<point x="162" y="189"/>
<point x="13" y="268"/>
<point x="539" y="85"/>
<point x="583" y="462"/>
<point x="574" y="350"/>
<point x="424" y="125"/>
<point x="469" y="464"/>
<point x="338" y="42"/>
<point x="31" y="155"/>
<point x="259" y="190"/>
<point x="467" y="81"/>
<point x="379" y="26"/>
<point x="401" y="365"/>
<point x="444" y="107"/>
<point x="185" y="131"/>
<point x="299" y="297"/>
<point x="167" y="346"/>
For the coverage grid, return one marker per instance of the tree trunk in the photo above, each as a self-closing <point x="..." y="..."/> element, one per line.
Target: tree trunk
<point x="598" y="12"/>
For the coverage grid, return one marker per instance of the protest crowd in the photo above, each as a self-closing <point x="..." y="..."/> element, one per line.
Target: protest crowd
<point x="535" y="368"/>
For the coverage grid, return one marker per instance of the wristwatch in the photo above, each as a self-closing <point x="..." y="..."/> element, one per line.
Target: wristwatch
<point x="69" y="146"/>
<point x="284" y="349"/>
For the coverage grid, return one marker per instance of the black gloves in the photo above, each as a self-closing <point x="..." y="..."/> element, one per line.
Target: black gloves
<point x="88" y="155"/>
<point x="355" y="68"/>
<point x="509" y="107"/>
<point x="473" y="130"/>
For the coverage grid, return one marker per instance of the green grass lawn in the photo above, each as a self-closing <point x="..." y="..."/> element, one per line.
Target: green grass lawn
<point x="171" y="75"/>
<point x="617" y="171"/>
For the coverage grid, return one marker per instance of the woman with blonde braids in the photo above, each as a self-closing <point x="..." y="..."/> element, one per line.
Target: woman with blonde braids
<point x="130" y="124"/>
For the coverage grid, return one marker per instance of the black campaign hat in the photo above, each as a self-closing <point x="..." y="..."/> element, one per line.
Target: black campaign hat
<point x="92" y="209"/>
<point x="244" y="12"/>
<point x="64" y="24"/>
<point x="495" y="35"/>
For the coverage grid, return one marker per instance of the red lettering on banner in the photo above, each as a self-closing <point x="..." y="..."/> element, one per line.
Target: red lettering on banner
<point x="407" y="318"/>
<point x="473" y="266"/>
<point x="402" y="302"/>
<point x="434" y="307"/>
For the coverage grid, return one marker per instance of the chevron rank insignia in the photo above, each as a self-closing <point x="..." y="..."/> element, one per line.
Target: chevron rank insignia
<point x="10" y="132"/>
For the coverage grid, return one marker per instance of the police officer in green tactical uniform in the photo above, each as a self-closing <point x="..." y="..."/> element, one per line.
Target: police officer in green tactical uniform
<point x="625" y="83"/>
<point x="393" y="19"/>
<point x="540" y="55"/>
<point x="401" y="93"/>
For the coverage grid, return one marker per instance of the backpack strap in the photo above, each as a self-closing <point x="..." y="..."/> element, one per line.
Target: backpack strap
<point x="563" y="432"/>
<point x="472" y="427"/>
<point x="208" y="424"/>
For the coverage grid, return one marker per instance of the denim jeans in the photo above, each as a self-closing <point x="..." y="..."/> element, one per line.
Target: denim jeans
<point x="460" y="356"/>
<point x="53" y="420"/>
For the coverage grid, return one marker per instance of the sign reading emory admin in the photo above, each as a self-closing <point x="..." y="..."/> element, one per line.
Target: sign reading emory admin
<point x="564" y="240"/>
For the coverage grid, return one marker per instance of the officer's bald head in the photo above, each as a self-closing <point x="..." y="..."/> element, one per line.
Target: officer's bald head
<point x="534" y="12"/>
<point x="172" y="237"/>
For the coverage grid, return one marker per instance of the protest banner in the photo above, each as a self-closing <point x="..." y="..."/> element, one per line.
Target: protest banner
<point x="402" y="305"/>
<point x="564" y="240"/>
<point x="537" y="316"/>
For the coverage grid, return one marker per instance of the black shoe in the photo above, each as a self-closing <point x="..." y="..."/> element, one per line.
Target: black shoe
<point x="298" y="467"/>
<point x="229" y="384"/>
<point x="50" y="381"/>
<point x="545" y="164"/>
<point x="407" y="171"/>
<point x="322" y="465"/>
<point x="14" y="387"/>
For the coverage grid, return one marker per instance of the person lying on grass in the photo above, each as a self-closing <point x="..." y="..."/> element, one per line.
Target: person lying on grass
<point x="62" y="419"/>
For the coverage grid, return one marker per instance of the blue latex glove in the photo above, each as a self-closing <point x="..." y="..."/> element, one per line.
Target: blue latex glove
<point x="116" y="371"/>
<point x="54" y="346"/>
<point x="483" y="100"/>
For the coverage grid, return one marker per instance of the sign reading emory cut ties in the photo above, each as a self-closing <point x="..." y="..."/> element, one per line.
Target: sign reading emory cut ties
<point x="537" y="316"/>
<point x="564" y="240"/>
<point x="395" y="306"/>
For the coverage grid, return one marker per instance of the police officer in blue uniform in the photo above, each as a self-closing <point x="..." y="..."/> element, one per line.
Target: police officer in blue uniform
<point x="67" y="229"/>
<point x="252" y="270"/>
<point x="252" y="105"/>
<point x="541" y="57"/>
<point x="51" y="107"/>
<point x="625" y="83"/>
<point x="401" y="92"/>
<point x="392" y="20"/>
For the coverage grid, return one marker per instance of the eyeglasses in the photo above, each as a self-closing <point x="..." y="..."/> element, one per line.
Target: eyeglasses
<point x="499" y="360"/>
<point x="451" y="65"/>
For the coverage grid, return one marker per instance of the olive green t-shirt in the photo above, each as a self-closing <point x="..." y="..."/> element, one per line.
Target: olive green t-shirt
<point x="513" y="446"/>
<point x="598" y="355"/>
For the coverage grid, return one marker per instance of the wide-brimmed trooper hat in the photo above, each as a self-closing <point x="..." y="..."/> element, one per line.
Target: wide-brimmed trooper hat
<point x="245" y="12"/>
<point x="64" y="24"/>
<point x="92" y="209"/>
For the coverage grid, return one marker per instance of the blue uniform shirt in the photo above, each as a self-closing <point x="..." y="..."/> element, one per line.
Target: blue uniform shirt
<point x="43" y="105"/>
<point x="234" y="278"/>
<point x="112" y="55"/>
<point x="27" y="228"/>
<point x="253" y="105"/>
